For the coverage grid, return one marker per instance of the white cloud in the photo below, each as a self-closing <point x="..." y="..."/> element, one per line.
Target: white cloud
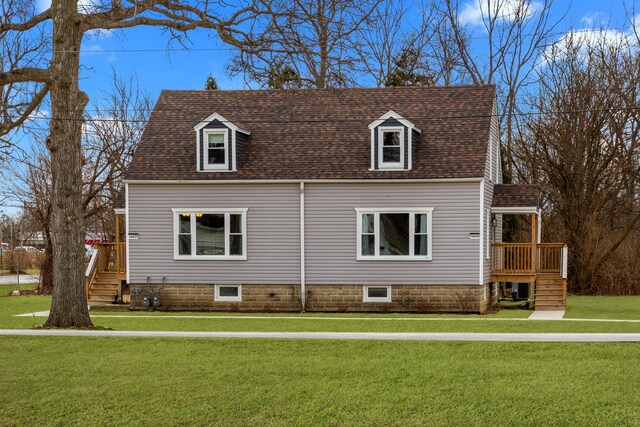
<point x="593" y="19"/>
<point x="84" y="6"/>
<point x="474" y="12"/>
<point x="580" y="40"/>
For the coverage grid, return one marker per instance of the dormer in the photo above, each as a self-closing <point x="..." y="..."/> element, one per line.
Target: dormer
<point x="392" y="138"/>
<point x="218" y="143"/>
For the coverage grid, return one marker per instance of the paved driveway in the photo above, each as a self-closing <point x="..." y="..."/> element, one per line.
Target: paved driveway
<point x="24" y="278"/>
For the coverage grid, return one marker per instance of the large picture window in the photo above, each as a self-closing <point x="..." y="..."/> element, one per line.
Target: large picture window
<point x="207" y="234"/>
<point x="394" y="234"/>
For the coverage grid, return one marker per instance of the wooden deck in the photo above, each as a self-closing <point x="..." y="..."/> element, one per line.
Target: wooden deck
<point x="105" y="273"/>
<point x="542" y="265"/>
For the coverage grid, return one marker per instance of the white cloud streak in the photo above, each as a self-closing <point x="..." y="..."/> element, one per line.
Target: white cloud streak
<point x="474" y="12"/>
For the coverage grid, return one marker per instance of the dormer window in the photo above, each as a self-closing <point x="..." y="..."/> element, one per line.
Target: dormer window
<point x="392" y="147"/>
<point x="217" y="156"/>
<point x="218" y="143"/>
<point x="392" y="142"/>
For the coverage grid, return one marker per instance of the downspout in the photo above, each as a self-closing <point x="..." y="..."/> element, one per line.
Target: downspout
<point x="302" y="270"/>
<point x="481" y="232"/>
<point x="126" y="230"/>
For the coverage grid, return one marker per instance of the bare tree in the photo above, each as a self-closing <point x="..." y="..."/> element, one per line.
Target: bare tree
<point x="584" y="148"/>
<point x="393" y="50"/>
<point x="110" y="137"/>
<point x="514" y="34"/>
<point x="59" y="78"/>
<point x="318" y="39"/>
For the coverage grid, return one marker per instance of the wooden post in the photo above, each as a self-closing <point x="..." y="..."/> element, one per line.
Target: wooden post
<point x="534" y="255"/>
<point x="119" y="297"/>
<point x="118" y="243"/>
<point x="534" y="242"/>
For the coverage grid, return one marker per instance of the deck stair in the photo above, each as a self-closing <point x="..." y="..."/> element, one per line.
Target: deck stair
<point x="105" y="273"/>
<point x="551" y="292"/>
<point x="104" y="288"/>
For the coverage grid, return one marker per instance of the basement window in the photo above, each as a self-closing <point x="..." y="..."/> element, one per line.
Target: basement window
<point x="228" y="293"/>
<point x="376" y="294"/>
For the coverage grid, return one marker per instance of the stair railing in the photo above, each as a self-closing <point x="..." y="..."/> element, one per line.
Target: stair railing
<point x="92" y="269"/>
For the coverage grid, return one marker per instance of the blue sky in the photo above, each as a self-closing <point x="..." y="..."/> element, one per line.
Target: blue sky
<point x="156" y="69"/>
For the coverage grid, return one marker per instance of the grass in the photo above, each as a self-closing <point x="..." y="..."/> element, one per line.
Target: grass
<point x="170" y="381"/>
<point x="7" y="272"/>
<point x="124" y="381"/>
<point x="606" y="307"/>
<point x="7" y="289"/>
<point x="10" y="306"/>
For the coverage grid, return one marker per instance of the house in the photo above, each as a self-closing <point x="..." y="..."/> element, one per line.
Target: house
<point x="386" y="199"/>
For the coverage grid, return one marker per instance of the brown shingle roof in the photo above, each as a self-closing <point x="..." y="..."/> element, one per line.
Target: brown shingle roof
<point x="515" y="195"/>
<point x="319" y="134"/>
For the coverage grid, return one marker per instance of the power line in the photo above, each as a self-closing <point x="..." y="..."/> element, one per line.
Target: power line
<point x="334" y="120"/>
<point x="231" y="49"/>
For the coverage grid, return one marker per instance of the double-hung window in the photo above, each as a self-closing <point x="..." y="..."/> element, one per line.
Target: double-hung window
<point x="216" y="149"/>
<point x="210" y="234"/>
<point x="394" y="234"/>
<point x="391" y="147"/>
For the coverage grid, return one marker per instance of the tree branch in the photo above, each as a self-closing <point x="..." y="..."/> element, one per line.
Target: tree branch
<point x="26" y="74"/>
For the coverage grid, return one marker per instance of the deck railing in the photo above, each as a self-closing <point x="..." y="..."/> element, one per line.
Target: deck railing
<point x="517" y="259"/>
<point x="511" y="258"/>
<point x="112" y="257"/>
<point x="92" y="269"/>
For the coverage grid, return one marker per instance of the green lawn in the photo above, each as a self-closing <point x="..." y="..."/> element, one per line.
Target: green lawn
<point x="125" y="381"/>
<point x="10" y="306"/>
<point x="167" y="381"/>
<point x="603" y="307"/>
<point x="7" y="289"/>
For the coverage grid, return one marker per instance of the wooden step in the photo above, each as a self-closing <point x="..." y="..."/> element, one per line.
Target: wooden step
<point x="101" y="297"/>
<point x="102" y="292"/>
<point x="557" y="307"/>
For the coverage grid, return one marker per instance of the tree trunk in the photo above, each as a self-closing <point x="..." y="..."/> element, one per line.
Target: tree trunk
<point x="69" y="301"/>
<point x="45" y="287"/>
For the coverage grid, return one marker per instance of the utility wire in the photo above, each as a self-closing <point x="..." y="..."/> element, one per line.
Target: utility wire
<point x="231" y="49"/>
<point x="334" y="120"/>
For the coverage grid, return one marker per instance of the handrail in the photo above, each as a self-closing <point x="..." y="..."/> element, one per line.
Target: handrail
<point x="91" y="270"/>
<point x="112" y="257"/>
<point x="518" y="258"/>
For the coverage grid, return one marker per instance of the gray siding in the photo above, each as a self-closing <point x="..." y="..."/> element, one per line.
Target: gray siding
<point x="273" y="233"/>
<point x="330" y="233"/>
<point x="493" y="175"/>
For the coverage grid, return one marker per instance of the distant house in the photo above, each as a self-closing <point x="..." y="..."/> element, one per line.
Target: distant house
<point x="384" y="199"/>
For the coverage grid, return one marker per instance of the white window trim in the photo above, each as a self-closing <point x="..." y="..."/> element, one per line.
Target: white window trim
<point x="226" y="212"/>
<point x="205" y="159"/>
<point x="365" y="294"/>
<point x="390" y="165"/>
<point x="376" y="212"/>
<point x="217" y="296"/>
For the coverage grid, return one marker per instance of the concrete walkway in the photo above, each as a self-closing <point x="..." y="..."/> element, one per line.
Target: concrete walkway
<point x="547" y="315"/>
<point x="428" y="336"/>
<point x="24" y="278"/>
<point x="384" y="319"/>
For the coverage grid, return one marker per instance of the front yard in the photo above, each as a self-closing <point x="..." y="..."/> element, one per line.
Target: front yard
<point x="169" y="381"/>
